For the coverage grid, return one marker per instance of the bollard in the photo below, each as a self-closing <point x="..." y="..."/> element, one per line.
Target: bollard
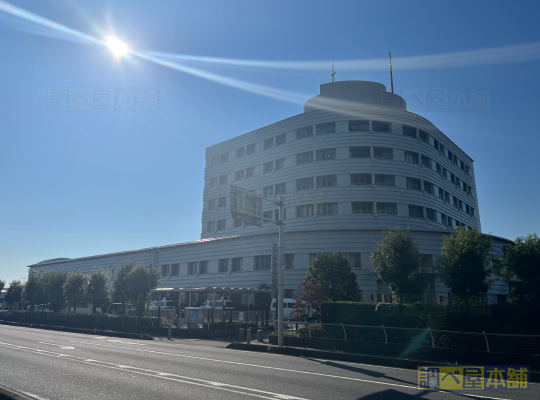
<point x="248" y="336"/>
<point x="241" y="334"/>
<point x="260" y="335"/>
<point x="169" y="332"/>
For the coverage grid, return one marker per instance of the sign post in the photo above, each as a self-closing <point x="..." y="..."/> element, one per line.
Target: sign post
<point x="247" y="207"/>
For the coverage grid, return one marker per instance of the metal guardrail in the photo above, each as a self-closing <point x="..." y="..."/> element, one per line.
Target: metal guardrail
<point x="488" y="342"/>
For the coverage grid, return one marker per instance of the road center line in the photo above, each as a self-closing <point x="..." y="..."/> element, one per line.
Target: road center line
<point x="284" y="369"/>
<point x="161" y="375"/>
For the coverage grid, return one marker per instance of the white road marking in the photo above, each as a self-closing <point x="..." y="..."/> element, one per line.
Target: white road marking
<point x="157" y="374"/>
<point x="287" y="370"/>
<point x="62" y="346"/>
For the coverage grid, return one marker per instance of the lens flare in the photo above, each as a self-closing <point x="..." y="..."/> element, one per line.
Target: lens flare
<point x="118" y="48"/>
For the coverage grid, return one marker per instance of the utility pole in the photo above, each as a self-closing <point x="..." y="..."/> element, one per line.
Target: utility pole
<point x="391" y="75"/>
<point x="281" y="272"/>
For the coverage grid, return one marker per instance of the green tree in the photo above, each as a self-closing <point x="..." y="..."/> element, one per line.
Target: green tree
<point x="97" y="288"/>
<point x="398" y="264"/>
<point x="75" y="289"/>
<point x="53" y="287"/>
<point x="465" y="263"/>
<point x="2" y="284"/>
<point x="334" y="274"/>
<point x="520" y="265"/>
<point x="14" y="292"/>
<point x="134" y="280"/>
<point x="33" y="291"/>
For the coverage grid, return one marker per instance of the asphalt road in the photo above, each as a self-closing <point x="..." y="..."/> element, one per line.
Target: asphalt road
<point x="58" y="365"/>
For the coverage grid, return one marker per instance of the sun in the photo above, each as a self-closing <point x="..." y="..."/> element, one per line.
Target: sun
<point x="118" y="48"/>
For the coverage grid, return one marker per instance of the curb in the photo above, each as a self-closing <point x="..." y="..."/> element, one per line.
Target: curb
<point x="125" y="335"/>
<point x="8" y="394"/>
<point x="359" y="358"/>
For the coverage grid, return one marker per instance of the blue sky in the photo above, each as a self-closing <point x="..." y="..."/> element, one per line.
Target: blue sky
<point x="83" y="183"/>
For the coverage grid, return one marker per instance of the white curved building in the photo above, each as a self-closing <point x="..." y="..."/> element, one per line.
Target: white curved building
<point x="355" y="163"/>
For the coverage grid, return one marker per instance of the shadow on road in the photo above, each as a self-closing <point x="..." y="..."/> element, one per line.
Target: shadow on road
<point x="391" y="394"/>
<point x="373" y="374"/>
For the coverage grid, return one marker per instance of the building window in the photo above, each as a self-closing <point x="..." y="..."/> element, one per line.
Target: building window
<point x="268" y="167"/>
<point x="385" y="180"/>
<point x="360" y="179"/>
<point x="239" y="175"/>
<point x="304" y="184"/>
<point x="268" y="143"/>
<point x="268" y="191"/>
<point x="325" y="129"/>
<point x="362" y="207"/>
<point x="426" y="161"/>
<point x="250" y="172"/>
<point x="223" y="265"/>
<point x="214" y="161"/>
<point x="214" y="182"/>
<point x="453" y="178"/>
<point x="281" y="139"/>
<point x="304" y="158"/>
<point x="289" y="261"/>
<point x="223" y="179"/>
<point x="281" y="188"/>
<point x="416" y="212"/>
<point x="383" y="152"/>
<point x="436" y="143"/>
<point x="192" y="268"/>
<point x="236" y="223"/>
<point x="304" y="132"/>
<point x="304" y="211"/>
<point x="359" y="126"/>
<point x="210" y="226"/>
<point x="455" y="199"/>
<point x="445" y="173"/>
<point x="428" y="187"/>
<point x="431" y="214"/>
<point x="326" y="154"/>
<point x="472" y="212"/>
<point x="409" y="131"/>
<point x="222" y="201"/>
<point x="203" y="267"/>
<point x="327" y="208"/>
<point x="467" y="170"/>
<point x="280" y="164"/>
<point x="449" y="222"/>
<point x="175" y="269"/>
<point x="237" y="264"/>
<point x="211" y="204"/>
<point x="427" y="262"/>
<point x="447" y="197"/>
<point x="381" y="126"/>
<point x="221" y="224"/>
<point x="251" y="149"/>
<point x="443" y="219"/>
<point x="450" y="155"/>
<point x="240" y="152"/>
<point x="359" y="152"/>
<point x="288" y="293"/>
<point x="327" y="181"/>
<point x="263" y="262"/>
<point x="165" y="270"/>
<point x="387" y="208"/>
<point x="424" y="137"/>
<point x="411" y="157"/>
<point x="224" y="157"/>
<point x="267" y="214"/>
<point x="355" y="260"/>
<point x="413" y="183"/>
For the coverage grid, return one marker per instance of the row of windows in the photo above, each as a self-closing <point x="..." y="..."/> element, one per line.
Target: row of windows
<point x="357" y="207"/>
<point x="354" y="152"/>
<point x="355" y="180"/>
<point x="262" y="262"/>
<point x="354" y="126"/>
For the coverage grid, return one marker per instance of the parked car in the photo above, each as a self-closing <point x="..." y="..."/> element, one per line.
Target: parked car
<point x="288" y="305"/>
<point x="229" y="305"/>
<point x="164" y="304"/>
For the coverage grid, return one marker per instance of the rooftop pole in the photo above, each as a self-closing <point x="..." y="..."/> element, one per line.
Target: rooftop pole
<point x="281" y="272"/>
<point x="391" y="75"/>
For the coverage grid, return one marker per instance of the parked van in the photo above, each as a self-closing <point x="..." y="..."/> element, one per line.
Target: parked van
<point x="164" y="304"/>
<point x="229" y="305"/>
<point x="288" y="305"/>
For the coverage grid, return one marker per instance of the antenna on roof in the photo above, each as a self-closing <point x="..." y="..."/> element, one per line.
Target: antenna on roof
<point x="391" y="75"/>
<point x="333" y="71"/>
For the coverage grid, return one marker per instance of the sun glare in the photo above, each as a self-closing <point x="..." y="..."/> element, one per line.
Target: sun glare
<point x="118" y="48"/>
